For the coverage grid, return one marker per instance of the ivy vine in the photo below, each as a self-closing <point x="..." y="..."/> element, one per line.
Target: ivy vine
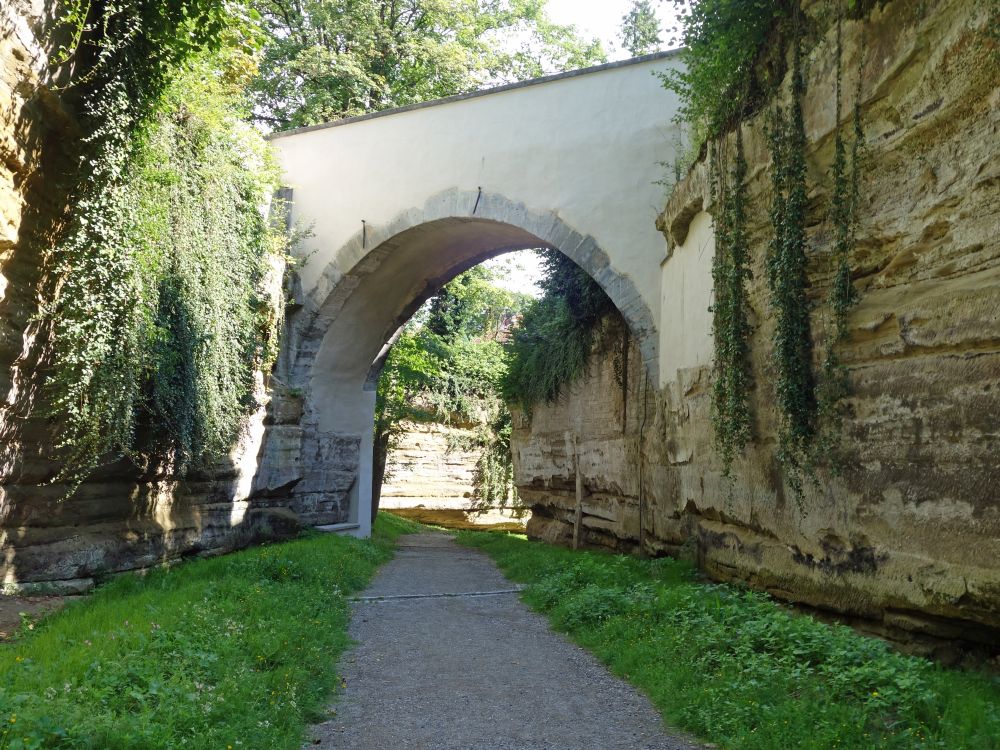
<point x="844" y="217"/>
<point x="731" y="328"/>
<point x="734" y="61"/>
<point x="788" y="282"/>
<point x="155" y="311"/>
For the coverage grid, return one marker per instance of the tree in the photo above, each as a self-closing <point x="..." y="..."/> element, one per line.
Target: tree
<point x="448" y="364"/>
<point x="328" y="59"/>
<point x="640" y="29"/>
<point x="472" y="305"/>
<point x="551" y="347"/>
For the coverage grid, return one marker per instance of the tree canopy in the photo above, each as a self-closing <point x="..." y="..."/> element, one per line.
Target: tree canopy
<point x="328" y="59"/>
<point x="448" y="365"/>
<point x="640" y="29"/>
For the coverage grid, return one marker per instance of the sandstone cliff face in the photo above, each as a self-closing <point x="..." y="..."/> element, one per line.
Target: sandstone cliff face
<point x="908" y="532"/>
<point x="430" y="467"/>
<point x="123" y="517"/>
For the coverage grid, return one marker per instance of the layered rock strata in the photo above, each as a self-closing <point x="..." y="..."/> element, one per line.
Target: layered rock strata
<point x="907" y="532"/>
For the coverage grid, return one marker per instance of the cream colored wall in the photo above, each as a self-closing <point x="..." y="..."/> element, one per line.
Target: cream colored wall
<point x="685" y="323"/>
<point x="585" y="147"/>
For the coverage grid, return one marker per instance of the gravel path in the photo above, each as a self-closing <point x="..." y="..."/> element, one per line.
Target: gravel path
<point x="474" y="672"/>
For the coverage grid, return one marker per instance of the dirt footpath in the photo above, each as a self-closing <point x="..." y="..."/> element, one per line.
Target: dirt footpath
<point x="34" y="607"/>
<point x="479" y="670"/>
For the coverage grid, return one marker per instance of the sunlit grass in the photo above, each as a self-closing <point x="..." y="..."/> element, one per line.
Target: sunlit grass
<point x="740" y="670"/>
<point x="237" y="651"/>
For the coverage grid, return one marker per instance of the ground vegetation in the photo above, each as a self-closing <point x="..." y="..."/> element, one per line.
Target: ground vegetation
<point x="740" y="670"/>
<point x="234" y="652"/>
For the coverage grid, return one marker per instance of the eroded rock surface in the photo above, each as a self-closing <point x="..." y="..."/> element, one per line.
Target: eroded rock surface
<point x="908" y="532"/>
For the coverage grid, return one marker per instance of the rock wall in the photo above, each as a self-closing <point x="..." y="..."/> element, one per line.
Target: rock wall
<point x="907" y="534"/>
<point x="429" y="467"/>
<point x="123" y="517"/>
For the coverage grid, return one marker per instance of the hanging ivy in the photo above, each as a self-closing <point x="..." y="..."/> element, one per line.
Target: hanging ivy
<point x="155" y="311"/>
<point x="734" y="61"/>
<point x="843" y="216"/>
<point x="731" y="329"/>
<point x="788" y="282"/>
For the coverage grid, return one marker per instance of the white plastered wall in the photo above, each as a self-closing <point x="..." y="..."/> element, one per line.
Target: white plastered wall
<point x="685" y="322"/>
<point x="587" y="147"/>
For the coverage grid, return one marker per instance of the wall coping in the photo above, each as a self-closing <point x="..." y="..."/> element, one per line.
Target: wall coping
<point x="481" y="92"/>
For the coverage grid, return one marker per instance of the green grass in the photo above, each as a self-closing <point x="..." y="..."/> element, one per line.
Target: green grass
<point x="736" y="668"/>
<point x="237" y="651"/>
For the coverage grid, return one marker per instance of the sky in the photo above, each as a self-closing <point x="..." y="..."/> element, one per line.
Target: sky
<point x="603" y="18"/>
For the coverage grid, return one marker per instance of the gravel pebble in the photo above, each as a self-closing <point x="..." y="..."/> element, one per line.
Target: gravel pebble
<point x="484" y="672"/>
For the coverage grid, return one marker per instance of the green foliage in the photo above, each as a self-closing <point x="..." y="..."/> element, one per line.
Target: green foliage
<point x="788" y="281"/>
<point x="159" y="316"/>
<point x="206" y="174"/>
<point x="472" y="305"/>
<point x="124" y="57"/>
<point x="731" y="329"/>
<point x="552" y="346"/>
<point x="493" y="476"/>
<point x="236" y="651"/>
<point x="735" y="59"/>
<point x="740" y="670"/>
<point x="410" y="370"/>
<point x="843" y="296"/>
<point x="727" y="71"/>
<point x="640" y="29"/>
<point x="447" y="366"/>
<point x="325" y="60"/>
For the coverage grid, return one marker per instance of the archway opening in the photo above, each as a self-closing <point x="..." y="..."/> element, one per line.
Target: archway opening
<point x="350" y="333"/>
<point x="443" y="426"/>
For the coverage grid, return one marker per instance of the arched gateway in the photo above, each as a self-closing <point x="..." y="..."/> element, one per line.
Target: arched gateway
<point x="400" y="202"/>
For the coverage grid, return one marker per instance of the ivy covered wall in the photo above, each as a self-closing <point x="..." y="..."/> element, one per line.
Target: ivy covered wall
<point x="885" y="509"/>
<point x="145" y="285"/>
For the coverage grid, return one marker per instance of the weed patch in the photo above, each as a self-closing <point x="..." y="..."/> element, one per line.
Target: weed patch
<point x="237" y="651"/>
<point x="736" y="668"/>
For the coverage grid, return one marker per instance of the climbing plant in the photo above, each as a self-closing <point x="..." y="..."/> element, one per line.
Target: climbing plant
<point x="843" y="216"/>
<point x="731" y="329"/>
<point x="205" y="176"/>
<point x="788" y="281"/>
<point x="735" y="61"/>
<point x="155" y="310"/>
<point x="493" y="476"/>
<point x="552" y="346"/>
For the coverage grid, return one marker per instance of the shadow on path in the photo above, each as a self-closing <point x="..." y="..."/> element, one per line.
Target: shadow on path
<point x="444" y="672"/>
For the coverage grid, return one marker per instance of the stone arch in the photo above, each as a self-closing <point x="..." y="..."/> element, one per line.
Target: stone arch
<point x="371" y="287"/>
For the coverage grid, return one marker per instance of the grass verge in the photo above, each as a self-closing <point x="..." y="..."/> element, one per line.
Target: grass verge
<point x="233" y="652"/>
<point x="740" y="670"/>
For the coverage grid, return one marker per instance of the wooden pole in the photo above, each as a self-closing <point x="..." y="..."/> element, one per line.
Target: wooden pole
<point x="578" y="520"/>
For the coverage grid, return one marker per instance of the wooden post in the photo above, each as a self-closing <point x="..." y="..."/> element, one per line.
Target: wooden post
<point x="578" y="519"/>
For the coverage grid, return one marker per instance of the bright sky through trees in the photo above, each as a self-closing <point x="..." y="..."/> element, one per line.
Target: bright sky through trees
<point x="603" y="18"/>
